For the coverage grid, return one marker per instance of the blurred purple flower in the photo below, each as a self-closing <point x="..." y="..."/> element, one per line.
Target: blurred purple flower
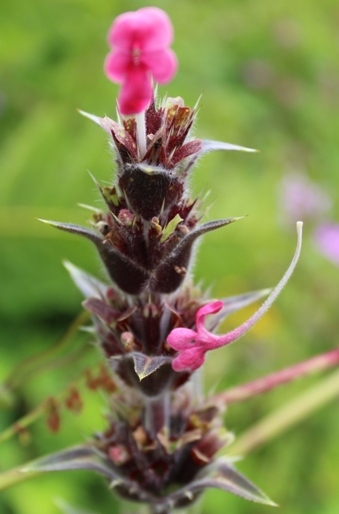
<point x="300" y="198"/>
<point x="327" y="239"/>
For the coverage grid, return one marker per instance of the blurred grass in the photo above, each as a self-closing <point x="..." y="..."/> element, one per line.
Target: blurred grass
<point x="269" y="74"/>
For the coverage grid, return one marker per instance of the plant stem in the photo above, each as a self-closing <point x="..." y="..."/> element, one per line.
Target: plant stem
<point x="15" y="476"/>
<point x="6" y="397"/>
<point x="264" y="384"/>
<point x="287" y="415"/>
<point x="24" y="422"/>
<point x="37" y="363"/>
<point x="38" y="412"/>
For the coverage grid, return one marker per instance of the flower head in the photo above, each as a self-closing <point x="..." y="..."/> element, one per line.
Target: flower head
<point x="140" y="42"/>
<point x="193" y="344"/>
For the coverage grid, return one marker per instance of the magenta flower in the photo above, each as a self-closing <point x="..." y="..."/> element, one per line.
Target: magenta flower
<point x="140" y="42"/>
<point x="193" y="344"/>
<point x="327" y="240"/>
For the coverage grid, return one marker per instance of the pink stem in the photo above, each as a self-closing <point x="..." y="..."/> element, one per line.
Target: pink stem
<point x="261" y="385"/>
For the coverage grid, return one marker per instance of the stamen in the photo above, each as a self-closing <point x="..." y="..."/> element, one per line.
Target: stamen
<point x="239" y="331"/>
<point x="140" y="120"/>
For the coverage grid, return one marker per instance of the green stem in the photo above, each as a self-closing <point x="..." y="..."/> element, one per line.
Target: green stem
<point x="36" y="413"/>
<point x="37" y="363"/>
<point x="24" y="422"/>
<point x="15" y="476"/>
<point x="6" y="397"/>
<point x="286" y="416"/>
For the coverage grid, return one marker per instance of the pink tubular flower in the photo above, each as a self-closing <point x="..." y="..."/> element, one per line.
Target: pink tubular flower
<point x="193" y="344"/>
<point x="140" y="42"/>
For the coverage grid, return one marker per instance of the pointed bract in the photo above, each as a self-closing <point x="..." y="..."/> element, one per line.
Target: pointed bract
<point x="145" y="365"/>
<point x="86" y="283"/>
<point x="79" y="457"/>
<point x="224" y="476"/>
<point x="208" y="145"/>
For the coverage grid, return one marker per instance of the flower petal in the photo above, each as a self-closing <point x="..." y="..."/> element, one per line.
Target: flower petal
<point x="148" y="29"/>
<point x="209" y="308"/>
<point x="161" y="63"/>
<point x="159" y="31"/>
<point x="189" y="360"/>
<point x="136" y="92"/>
<point x="181" y="338"/>
<point x="116" y="65"/>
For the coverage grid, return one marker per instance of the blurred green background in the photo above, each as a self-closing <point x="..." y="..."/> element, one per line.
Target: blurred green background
<point x="269" y="76"/>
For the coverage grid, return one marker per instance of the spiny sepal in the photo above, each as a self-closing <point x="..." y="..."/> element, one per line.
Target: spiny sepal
<point x="78" y="457"/>
<point x="150" y="376"/>
<point x="89" y="286"/>
<point x="223" y="475"/>
<point x="123" y="271"/>
<point x="165" y="276"/>
<point x="219" y="475"/>
<point x="145" y="365"/>
<point x="208" y="145"/>
<point x="170" y="273"/>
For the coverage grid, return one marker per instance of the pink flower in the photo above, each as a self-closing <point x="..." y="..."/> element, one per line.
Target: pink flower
<point x="327" y="239"/>
<point x="140" y="42"/>
<point x="193" y="344"/>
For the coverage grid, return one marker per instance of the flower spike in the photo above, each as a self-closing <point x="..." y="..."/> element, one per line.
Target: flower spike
<point x="192" y="345"/>
<point x="160" y="443"/>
